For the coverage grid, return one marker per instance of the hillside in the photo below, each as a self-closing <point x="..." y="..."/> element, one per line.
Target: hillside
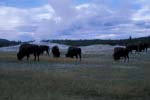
<point x="4" y="43"/>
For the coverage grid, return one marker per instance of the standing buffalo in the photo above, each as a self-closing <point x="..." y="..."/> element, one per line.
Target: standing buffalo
<point x="143" y="47"/>
<point x="121" y="52"/>
<point x="27" y="49"/>
<point x="137" y="47"/>
<point x="132" y="47"/>
<point x="74" y="51"/>
<point x="44" y="48"/>
<point x="55" y="52"/>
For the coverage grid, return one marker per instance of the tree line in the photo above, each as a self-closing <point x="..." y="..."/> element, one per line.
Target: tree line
<point x="4" y="43"/>
<point x="100" y="41"/>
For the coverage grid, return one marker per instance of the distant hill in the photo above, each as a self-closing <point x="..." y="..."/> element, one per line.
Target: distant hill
<point x="4" y="43"/>
<point x="99" y="41"/>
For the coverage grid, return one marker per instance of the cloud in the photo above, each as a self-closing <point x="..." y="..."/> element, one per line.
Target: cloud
<point x="23" y="21"/>
<point x="95" y="19"/>
<point x="23" y="3"/>
<point x="142" y="14"/>
<point x="71" y="19"/>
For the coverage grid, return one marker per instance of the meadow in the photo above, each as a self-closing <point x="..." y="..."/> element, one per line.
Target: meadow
<point x="96" y="77"/>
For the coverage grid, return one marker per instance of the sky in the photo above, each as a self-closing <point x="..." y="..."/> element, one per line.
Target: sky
<point x="74" y="19"/>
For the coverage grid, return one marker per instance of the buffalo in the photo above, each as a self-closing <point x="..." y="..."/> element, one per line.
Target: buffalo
<point x="27" y="50"/>
<point x="74" y="51"/>
<point x="132" y="47"/>
<point x="140" y="47"/>
<point x="120" y="52"/>
<point x="44" y="48"/>
<point x="55" y="52"/>
<point x="143" y="47"/>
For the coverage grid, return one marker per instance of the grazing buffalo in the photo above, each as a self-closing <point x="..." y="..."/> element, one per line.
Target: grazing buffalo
<point x="55" y="52"/>
<point x="44" y="48"/>
<point x="121" y="52"/>
<point x="143" y="47"/>
<point x="132" y="47"/>
<point x="27" y="50"/>
<point x="74" y="51"/>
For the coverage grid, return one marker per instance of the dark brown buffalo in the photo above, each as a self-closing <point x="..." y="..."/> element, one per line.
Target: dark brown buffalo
<point x="74" y="51"/>
<point x="55" y="52"/>
<point x="27" y="50"/>
<point x="44" y="48"/>
<point x="121" y="52"/>
<point x="132" y="47"/>
<point x="143" y="47"/>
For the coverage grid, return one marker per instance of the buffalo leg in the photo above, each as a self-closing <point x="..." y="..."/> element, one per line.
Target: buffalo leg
<point x="128" y="57"/>
<point x="76" y="56"/>
<point x="47" y="52"/>
<point x="146" y="49"/>
<point x="28" y="57"/>
<point x="38" y="57"/>
<point x="34" y="57"/>
<point x="124" y="58"/>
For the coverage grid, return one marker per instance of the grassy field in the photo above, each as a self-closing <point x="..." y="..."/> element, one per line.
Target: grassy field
<point x="96" y="77"/>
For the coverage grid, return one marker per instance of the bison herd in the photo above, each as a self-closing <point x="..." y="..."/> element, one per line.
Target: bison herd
<point x="124" y="51"/>
<point x="26" y="50"/>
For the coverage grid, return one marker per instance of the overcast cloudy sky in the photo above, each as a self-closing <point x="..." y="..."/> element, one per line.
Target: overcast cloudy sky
<point x="74" y="19"/>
